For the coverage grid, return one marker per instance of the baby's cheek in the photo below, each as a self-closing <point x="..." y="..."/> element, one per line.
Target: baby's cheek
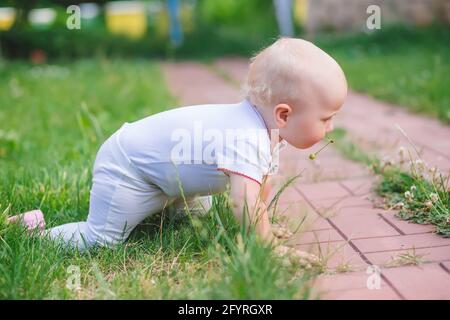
<point x="310" y="134"/>
<point x="309" y="140"/>
<point x="314" y="139"/>
<point x="316" y="133"/>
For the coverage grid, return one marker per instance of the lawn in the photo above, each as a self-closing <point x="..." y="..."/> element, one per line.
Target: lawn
<point x="405" y="65"/>
<point x="54" y="118"/>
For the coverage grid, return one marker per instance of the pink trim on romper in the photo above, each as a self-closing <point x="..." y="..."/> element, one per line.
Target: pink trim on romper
<point x="238" y="173"/>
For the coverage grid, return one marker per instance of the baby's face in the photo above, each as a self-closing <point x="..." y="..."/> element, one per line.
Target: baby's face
<point x="307" y="127"/>
<point x="309" y="88"/>
<point x="308" y="124"/>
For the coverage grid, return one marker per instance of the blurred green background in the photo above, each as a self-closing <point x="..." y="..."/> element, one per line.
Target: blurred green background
<point x="405" y="61"/>
<point x="42" y="60"/>
<point x="210" y="28"/>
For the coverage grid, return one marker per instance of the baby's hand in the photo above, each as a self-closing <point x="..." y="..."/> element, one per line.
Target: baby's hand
<point x="296" y="257"/>
<point x="281" y="232"/>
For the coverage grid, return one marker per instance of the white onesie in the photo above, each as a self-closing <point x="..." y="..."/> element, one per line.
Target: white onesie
<point x="147" y="164"/>
<point x="197" y="143"/>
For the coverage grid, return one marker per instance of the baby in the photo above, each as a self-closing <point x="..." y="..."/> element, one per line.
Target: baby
<point x="292" y="92"/>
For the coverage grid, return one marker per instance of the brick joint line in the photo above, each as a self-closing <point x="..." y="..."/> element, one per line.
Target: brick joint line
<point x="391" y="224"/>
<point x="444" y="267"/>
<point x="366" y="260"/>
<point x="413" y="247"/>
<point x="346" y="188"/>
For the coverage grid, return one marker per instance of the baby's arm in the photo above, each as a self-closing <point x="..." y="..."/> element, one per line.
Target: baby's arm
<point x="245" y="190"/>
<point x="246" y="194"/>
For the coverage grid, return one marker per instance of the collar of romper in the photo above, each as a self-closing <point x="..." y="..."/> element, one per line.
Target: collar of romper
<point x="280" y="144"/>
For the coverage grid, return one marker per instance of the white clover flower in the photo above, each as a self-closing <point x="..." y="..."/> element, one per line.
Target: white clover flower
<point x="399" y="205"/>
<point x="408" y="194"/>
<point x="413" y="188"/>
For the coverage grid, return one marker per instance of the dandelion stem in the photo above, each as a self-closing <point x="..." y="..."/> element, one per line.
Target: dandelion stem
<point x="313" y="156"/>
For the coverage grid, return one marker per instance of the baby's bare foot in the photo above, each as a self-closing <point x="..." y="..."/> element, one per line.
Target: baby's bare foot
<point x="32" y="219"/>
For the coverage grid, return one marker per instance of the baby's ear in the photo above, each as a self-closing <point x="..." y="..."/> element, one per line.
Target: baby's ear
<point x="282" y="112"/>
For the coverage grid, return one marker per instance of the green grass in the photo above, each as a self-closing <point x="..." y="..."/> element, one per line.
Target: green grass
<point x="419" y="200"/>
<point x="54" y="119"/>
<point x="405" y="65"/>
<point x="420" y="194"/>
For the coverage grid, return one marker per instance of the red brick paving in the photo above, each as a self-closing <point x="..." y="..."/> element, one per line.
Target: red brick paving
<point x="446" y="266"/>
<point x="406" y="227"/>
<point x="323" y="190"/>
<point x="336" y="254"/>
<point x="332" y="205"/>
<point x="400" y="242"/>
<point x="353" y="286"/>
<point x="385" y="293"/>
<point x="362" y="225"/>
<point x="434" y="254"/>
<point x="326" y="235"/>
<point x="335" y="194"/>
<point x="427" y="281"/>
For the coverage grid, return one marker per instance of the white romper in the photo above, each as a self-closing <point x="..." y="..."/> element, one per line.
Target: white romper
<point x="148" y="164"/>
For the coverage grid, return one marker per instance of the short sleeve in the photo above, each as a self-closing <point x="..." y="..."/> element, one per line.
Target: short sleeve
<point x="248" y="157"/>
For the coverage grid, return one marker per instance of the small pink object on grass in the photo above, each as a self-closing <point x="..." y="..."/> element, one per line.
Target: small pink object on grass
<point x="31" y="219"/>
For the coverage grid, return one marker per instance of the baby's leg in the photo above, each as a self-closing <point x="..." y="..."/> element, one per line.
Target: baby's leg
<point x="120" y="199"/>
<point x="115" y="210"/>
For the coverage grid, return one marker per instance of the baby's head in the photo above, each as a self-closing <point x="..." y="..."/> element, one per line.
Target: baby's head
<point x="298" y="88"/>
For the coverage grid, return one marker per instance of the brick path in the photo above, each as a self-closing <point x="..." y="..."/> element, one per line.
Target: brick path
<point x="335" y="198"/>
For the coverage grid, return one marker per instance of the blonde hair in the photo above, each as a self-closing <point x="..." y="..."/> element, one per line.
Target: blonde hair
<point x="276" y="73"/>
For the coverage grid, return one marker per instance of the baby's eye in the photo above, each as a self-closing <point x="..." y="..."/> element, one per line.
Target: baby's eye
<point x="327" y="119"/>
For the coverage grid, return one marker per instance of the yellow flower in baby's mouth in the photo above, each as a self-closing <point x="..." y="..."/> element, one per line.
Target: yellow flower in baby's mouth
<point x="313" y="155"/>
